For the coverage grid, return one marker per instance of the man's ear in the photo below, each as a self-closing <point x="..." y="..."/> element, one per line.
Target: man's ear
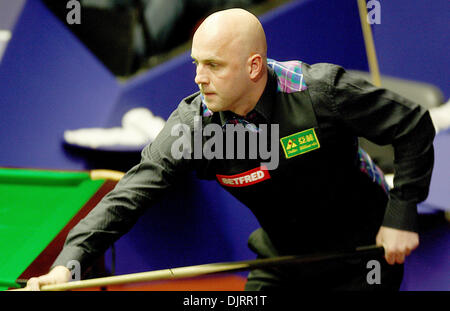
<point x="255" y="66"/>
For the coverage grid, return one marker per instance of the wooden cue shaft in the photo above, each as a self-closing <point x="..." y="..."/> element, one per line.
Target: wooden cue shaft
<point x="159" y="275"/>
<point x="368" y="41"/>
<point x="199" y="270"/>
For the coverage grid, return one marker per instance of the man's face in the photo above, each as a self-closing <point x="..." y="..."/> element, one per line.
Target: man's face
<point x="220" y="71"/>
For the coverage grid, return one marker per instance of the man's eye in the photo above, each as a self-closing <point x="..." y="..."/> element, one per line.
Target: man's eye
<point x="212" y="65"/>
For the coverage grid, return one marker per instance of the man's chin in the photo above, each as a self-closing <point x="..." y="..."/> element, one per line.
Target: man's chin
<point x="212" y="106"/>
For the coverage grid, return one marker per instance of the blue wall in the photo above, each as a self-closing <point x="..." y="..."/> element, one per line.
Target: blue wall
<point x="413" y="41"/>
<point x="49" y="82"/>
<point x="316" y="31"/>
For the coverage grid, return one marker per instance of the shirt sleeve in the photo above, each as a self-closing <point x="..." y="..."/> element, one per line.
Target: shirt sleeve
<point x="139" y="188"/>
<point x="385" y="117"/>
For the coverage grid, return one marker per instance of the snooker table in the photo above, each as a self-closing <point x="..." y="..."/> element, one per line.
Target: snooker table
<point x="37" y="210"/>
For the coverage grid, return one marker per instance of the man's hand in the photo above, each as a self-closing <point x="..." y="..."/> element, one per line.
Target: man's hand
<point x="57" y="275"/>
<point x="397" y="243"/>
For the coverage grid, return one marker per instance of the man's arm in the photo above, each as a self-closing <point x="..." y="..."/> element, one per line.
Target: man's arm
<point x="120" y="209"/>
<point x="387" y="118"/>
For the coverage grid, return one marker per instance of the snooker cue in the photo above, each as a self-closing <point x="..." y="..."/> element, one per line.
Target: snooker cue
<point x="207" y="269"/>
<point x="370" y="46"/>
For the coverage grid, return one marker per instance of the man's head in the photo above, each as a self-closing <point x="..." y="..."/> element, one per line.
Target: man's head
<point x="230" y="52"/>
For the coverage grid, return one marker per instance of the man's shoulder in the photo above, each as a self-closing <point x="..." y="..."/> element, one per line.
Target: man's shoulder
<point x="191" y="102"/>
<point x="322" y="74"/>
<point x="189" y="107"/>
<point x="296" y="75"/>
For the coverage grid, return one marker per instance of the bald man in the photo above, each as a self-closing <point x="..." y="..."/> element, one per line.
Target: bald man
<point x="318" y="191"/>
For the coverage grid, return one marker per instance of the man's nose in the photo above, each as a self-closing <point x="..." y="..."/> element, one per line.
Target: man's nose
<point x="201" y="77"/>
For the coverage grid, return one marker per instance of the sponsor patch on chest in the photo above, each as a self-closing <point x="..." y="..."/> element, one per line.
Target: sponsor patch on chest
<point x="300" y="143"/>
<point x="244" y="179"/>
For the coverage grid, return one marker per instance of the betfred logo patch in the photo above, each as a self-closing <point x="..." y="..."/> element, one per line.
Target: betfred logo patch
<point x="245" y="179"/>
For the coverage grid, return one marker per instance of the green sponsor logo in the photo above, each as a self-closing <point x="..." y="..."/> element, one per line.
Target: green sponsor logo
<point x="300" y="143"/>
